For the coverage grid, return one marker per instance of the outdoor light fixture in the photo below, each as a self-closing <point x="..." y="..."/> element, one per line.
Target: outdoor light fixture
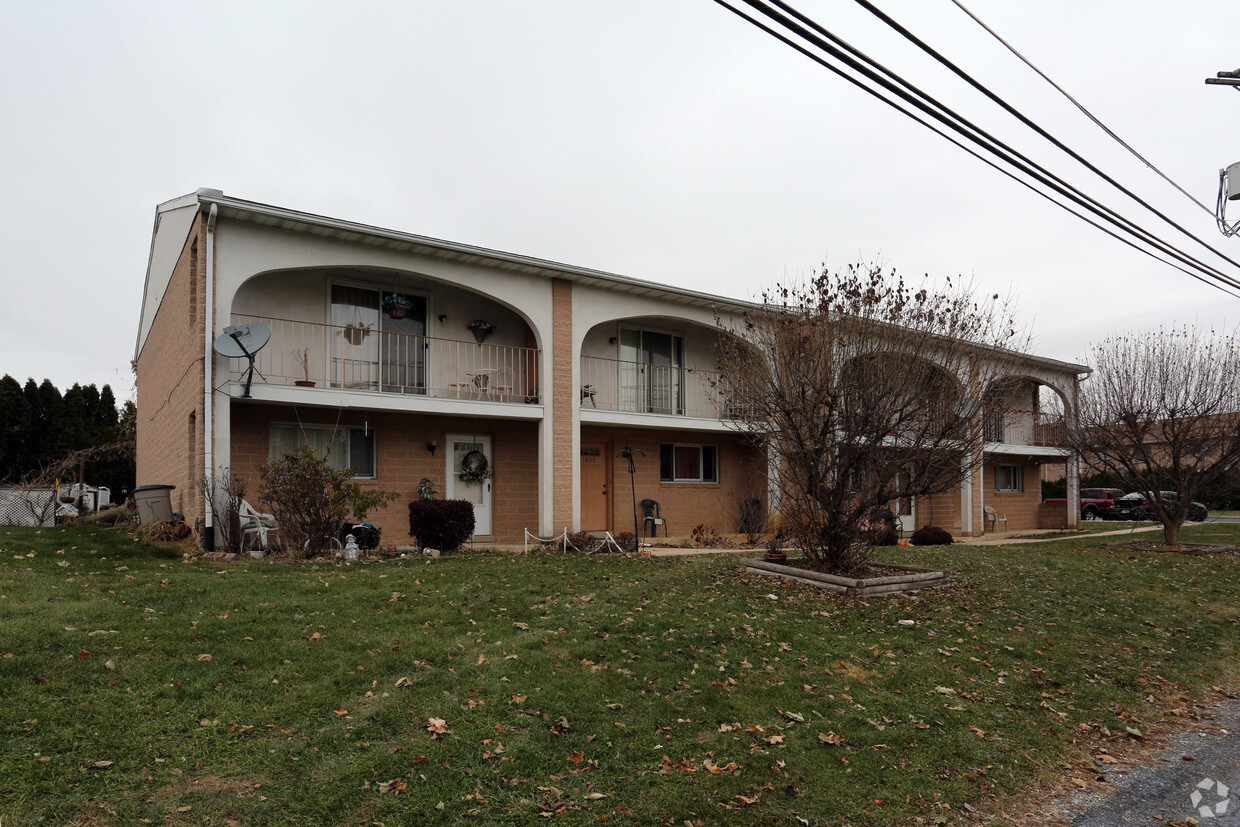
<point x="443" y="317"/>
<point x="612" y="340"/>
<point x="432" y="445"/>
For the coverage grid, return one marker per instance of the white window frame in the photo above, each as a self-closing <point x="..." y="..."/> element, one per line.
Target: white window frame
<point x="699" y="479"/>
<point x="1018" y="478"/>
<point x="335" y="438"/>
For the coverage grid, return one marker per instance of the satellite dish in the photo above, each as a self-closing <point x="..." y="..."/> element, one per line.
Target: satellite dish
<point x="242" y="342"/>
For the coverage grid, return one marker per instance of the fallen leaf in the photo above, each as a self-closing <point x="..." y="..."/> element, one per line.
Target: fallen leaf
<point x="204" y="658"/>
<point x="595" y="796"/>
<point x="101" y="765"/>
<point x="395" y="786"/>
<point x="832" y="739"/>
<point x="341" y="712"/>
<point x="403" y="682"/>
<point x="437" y="726"/>
<point x="576" y="756"/>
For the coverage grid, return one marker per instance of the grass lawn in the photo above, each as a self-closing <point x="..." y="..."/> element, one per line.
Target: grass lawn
<point x="502" y="689"/>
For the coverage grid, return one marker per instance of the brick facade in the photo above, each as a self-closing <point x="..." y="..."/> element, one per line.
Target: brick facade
<point x="563" y="392"/>
<point x="170" y="382"/>
<point x="684" y="505"/>
<point x="1021" y="508"/>
<point x="403" y="458"/>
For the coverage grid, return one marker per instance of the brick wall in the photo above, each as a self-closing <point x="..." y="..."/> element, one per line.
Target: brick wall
<point x="684" y="505"/>
<point x="1022" y="509"/>
<point x="942" y="510"/>
<point x="403" y="459"/>
<point x="563" y="389"/>
<point x="169" y="382"/>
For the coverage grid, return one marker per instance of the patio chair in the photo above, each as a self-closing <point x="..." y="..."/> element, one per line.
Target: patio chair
<point x="503" y="383"/>
<point x="654" y="518"/>
<point x="254" y="523"/>
<point x="995" y="517"/>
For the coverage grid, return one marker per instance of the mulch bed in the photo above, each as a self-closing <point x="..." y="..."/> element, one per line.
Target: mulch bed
<point x="1195" y="549"/>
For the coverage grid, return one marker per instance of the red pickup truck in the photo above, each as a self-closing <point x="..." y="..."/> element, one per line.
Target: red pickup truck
<point x="1095" y="502"/>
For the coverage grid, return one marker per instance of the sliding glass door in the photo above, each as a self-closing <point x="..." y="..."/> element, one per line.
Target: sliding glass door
<point x="372" y="350"/>
<point x="651" y="367"/>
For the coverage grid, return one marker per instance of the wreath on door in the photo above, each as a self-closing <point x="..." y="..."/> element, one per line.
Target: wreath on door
<point x="474" y="467"/>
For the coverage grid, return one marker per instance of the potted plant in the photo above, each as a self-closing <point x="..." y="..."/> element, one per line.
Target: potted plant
<point x="302" y="358"/>
<point x="356" y="332"/>
<point x="481" y="329"/>
<point x="396" y="305"/>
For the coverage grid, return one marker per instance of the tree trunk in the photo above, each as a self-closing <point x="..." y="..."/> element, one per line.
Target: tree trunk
<point x="1171" y="533"/>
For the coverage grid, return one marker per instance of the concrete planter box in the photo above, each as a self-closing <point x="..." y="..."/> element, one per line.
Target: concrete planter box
<point x="910" y="578"/>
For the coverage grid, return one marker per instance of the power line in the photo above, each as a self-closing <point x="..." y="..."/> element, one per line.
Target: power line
<point x="1015" y="113"/>
<point x="914" y="116"/>
<point x="1081" y="107"/>
<point x="953" y="121"/>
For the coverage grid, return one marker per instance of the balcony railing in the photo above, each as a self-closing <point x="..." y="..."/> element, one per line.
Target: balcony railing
<point x="641" y="387"/>
<point x="1013" y="426"/>
<point x="381" y="362"/>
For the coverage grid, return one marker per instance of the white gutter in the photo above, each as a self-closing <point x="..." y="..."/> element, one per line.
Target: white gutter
<point x="208" y="379"/>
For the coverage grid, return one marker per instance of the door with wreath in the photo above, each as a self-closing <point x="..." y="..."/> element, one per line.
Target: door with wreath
<point x="469" y="476"/>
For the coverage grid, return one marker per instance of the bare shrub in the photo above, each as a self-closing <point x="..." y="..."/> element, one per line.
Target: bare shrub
<point x="310" y="499"/>
<point x="224" y="493"/>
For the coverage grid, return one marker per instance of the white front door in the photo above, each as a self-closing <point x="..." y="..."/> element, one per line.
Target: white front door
<point x="906" y="505"/>
<point x="462" y="456"/>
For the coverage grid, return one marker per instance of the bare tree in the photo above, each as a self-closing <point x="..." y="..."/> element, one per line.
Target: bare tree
<point x="1162" y="413"/>
<point x="862" y="389"/>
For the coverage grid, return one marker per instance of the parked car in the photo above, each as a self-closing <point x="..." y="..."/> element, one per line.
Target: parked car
<point x="1095" y="502"/>
<point x="1137" y="506"/>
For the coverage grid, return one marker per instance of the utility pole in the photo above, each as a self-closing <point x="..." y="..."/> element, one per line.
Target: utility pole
<point x="1225" y="79"/>
<point x="1229" y="178"/>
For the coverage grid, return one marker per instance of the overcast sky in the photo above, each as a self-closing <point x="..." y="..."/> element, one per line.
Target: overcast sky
<point x="659" y="139"/>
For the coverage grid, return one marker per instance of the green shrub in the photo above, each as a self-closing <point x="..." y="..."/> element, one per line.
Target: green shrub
<point x="441" y="524"/>
<point x="931" y="535"/>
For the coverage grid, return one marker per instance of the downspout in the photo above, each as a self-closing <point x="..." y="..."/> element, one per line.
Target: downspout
<point x="208" y="379"/>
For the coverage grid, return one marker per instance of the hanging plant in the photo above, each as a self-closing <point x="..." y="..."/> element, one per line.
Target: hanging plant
<point x="356" y="333"/>
<point x="481" y="329"/>
<point x="474" y="467"/>
<point x="396" y="305"/>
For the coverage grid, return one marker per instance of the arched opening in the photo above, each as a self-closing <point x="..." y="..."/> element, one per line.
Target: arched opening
<point x="651" y="365"/>
<point x="389" y="331"/>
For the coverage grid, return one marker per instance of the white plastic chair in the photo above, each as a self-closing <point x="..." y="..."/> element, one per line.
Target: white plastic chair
<point x="255" y="523"/>
<point x="995" y="517"/>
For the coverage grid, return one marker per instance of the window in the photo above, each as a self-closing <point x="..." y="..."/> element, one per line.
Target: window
<point x="651" y="365"/>
<point x="343" y="447"/>
<point x="688" y="463"/>
<point x="1008" y="479"/>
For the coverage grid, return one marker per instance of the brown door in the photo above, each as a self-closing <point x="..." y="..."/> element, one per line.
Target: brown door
<point x="595" y="502"/>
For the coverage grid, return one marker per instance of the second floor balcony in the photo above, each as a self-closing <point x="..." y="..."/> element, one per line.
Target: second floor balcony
<point x="648" y="388"/>
<point x="375" y="361"/>
<point x="1012" y="426"/>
